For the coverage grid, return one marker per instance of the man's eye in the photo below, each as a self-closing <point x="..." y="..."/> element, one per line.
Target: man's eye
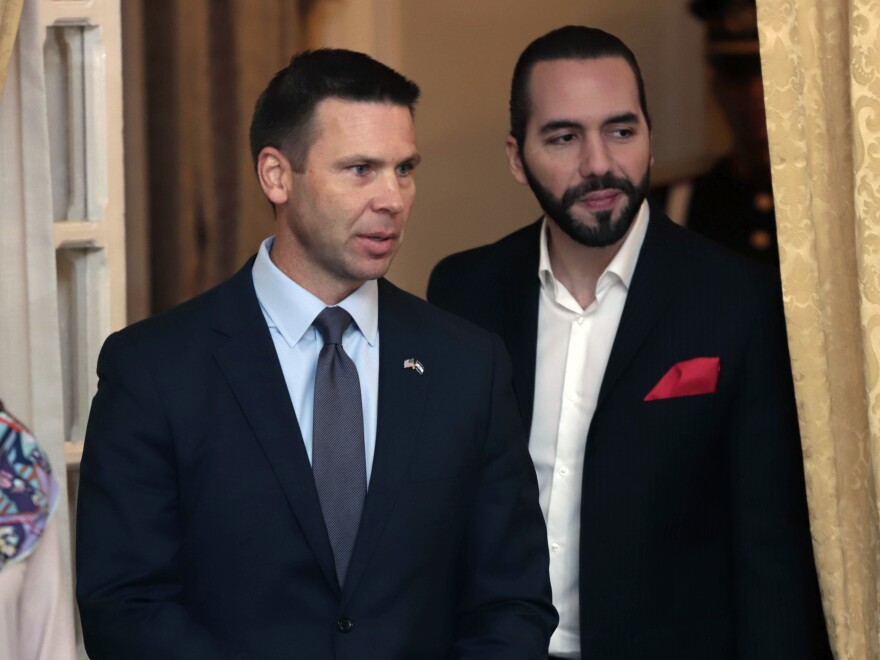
<point x="360" y="170"/>
<point x="405" y="169"/>
<point x="623" y="132"/>
<point x="567" y="138"/>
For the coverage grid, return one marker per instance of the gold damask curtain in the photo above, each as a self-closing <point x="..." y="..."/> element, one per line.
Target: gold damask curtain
<point x="10" y="13"/>
<point x="821" y="66"/>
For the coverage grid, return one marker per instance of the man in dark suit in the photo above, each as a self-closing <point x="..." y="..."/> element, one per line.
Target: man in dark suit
<point x="262" y="481"/>
<point x="652" y="369"/>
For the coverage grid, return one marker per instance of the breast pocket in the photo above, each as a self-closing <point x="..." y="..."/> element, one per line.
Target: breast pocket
<point x="683" y="415"/>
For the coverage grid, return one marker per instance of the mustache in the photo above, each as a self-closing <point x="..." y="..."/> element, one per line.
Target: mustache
<point x="594" y="183"/>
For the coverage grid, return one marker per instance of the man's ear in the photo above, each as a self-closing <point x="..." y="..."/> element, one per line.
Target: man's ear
<point x="514" y="161"/>
<point x="273" y="171"/>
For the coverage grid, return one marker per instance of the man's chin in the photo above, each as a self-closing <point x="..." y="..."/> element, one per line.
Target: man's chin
<point x="600" y="230"/>
<point x="594" y="222"/>
<point x="373" y="268"/>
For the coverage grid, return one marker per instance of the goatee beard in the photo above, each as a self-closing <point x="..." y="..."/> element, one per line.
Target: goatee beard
<point x="607" y="230"/>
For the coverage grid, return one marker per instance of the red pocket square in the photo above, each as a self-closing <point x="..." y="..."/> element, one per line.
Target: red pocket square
<point x="696" y="376"/>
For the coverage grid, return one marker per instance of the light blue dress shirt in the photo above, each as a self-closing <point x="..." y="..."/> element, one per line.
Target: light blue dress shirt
<point x="289" y="311"/>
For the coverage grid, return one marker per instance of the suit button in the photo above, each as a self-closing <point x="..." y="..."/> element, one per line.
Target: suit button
<point x="344" y="624"/>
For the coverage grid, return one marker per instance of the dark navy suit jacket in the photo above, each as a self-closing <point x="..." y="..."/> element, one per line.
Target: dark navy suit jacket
<point x="695" y="541"/>
<point x="200" y="535"/>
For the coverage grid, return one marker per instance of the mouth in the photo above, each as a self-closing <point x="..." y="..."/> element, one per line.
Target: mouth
<point x="378" y="244"/>
<point x="600" y="200"/>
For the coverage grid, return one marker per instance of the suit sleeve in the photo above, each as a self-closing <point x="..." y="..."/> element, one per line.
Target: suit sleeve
<point x="440" y="290"/>
<point x="128" y="523"/>
<point x="778" y="607"/>
<point x="450" y="287"/>
<point x="506" y="611"/>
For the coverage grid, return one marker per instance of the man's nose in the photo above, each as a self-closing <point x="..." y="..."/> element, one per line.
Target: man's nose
<point x="390" y="195"/>
<point x="594" y="159"/>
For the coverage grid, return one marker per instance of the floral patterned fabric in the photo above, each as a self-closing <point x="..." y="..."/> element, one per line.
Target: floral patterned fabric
<point x="821" y="68"/>
<point x="28" y="491"/>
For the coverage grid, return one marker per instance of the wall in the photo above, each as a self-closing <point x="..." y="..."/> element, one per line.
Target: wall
<point x="462" y="53"/>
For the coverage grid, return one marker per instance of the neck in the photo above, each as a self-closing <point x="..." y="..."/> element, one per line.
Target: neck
<point x="577" y="266"/>
<point x="286" y="258"/>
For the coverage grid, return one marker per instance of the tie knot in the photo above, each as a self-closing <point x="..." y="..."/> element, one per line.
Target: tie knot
<point x="331" y="323"/>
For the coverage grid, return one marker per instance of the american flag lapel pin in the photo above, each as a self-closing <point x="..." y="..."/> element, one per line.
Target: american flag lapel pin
<point x="412" y="363"/>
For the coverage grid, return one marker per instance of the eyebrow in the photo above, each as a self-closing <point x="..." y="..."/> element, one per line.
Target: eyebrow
<point x="359" y="159"/>
<point x="413" y="158"/>
<point x="557" y="124"/>
<point x="622" y="118"/>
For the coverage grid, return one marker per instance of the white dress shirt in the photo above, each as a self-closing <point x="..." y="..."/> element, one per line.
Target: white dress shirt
<point x="573" y="349"/>
<point x="290" y="310"/>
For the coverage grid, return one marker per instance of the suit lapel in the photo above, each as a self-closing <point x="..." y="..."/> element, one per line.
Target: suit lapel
<point x="250" y="364"/>
<point x="402" y="397"/>
<point x="648" y="297"/>
<point x="520" y="319"/>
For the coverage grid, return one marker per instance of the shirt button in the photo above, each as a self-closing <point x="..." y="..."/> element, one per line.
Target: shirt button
<point x="581" y="320"/>
<point x="344" y="624"/>
<point x="554" y="547"/>
<point x="563" y="471"/>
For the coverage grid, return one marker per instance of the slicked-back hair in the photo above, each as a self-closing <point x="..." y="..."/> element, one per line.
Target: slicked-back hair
<point x="572" y="42"/>
<point x="284" y="114"/>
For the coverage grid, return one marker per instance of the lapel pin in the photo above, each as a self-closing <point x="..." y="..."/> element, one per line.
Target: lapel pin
<point x="412" y="363"/>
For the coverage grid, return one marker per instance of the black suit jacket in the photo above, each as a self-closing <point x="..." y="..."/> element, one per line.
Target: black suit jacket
<point x="694" y="530"/>
<point x="200" y="535"/>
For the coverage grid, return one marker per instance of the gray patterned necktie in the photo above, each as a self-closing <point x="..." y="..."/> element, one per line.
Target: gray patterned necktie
<point x="338" y="461"/>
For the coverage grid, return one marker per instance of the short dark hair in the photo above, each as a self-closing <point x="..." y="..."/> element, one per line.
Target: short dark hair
<point x="572" y="42"/>
<point x="284" y="113"/>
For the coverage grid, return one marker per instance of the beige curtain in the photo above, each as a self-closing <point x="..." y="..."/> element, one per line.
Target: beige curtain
<point x="821" y="65"/>
<point x="10" y="12"/>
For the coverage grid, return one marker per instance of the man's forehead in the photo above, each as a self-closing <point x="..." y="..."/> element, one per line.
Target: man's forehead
<point x="584" y="85"/>
<point x="372" y="129"/>
<point x="613" y="67"/>
<point x="347" y="112"/>
<point x="361" y="119"/>
<point x="335" y="106"/>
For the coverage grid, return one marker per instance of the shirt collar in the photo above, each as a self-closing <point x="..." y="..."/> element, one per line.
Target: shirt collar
<point x="291" y="309"/>
<point x="622" y="266"/>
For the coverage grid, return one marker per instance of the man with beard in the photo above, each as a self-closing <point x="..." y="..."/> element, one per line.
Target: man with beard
<point x="652" y="370"/>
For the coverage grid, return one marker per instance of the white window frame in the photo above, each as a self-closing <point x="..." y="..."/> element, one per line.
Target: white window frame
<point x="89" y="231"/>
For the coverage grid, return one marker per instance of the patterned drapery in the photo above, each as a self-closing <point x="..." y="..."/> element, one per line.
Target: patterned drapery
<point x="821" y="66"/>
